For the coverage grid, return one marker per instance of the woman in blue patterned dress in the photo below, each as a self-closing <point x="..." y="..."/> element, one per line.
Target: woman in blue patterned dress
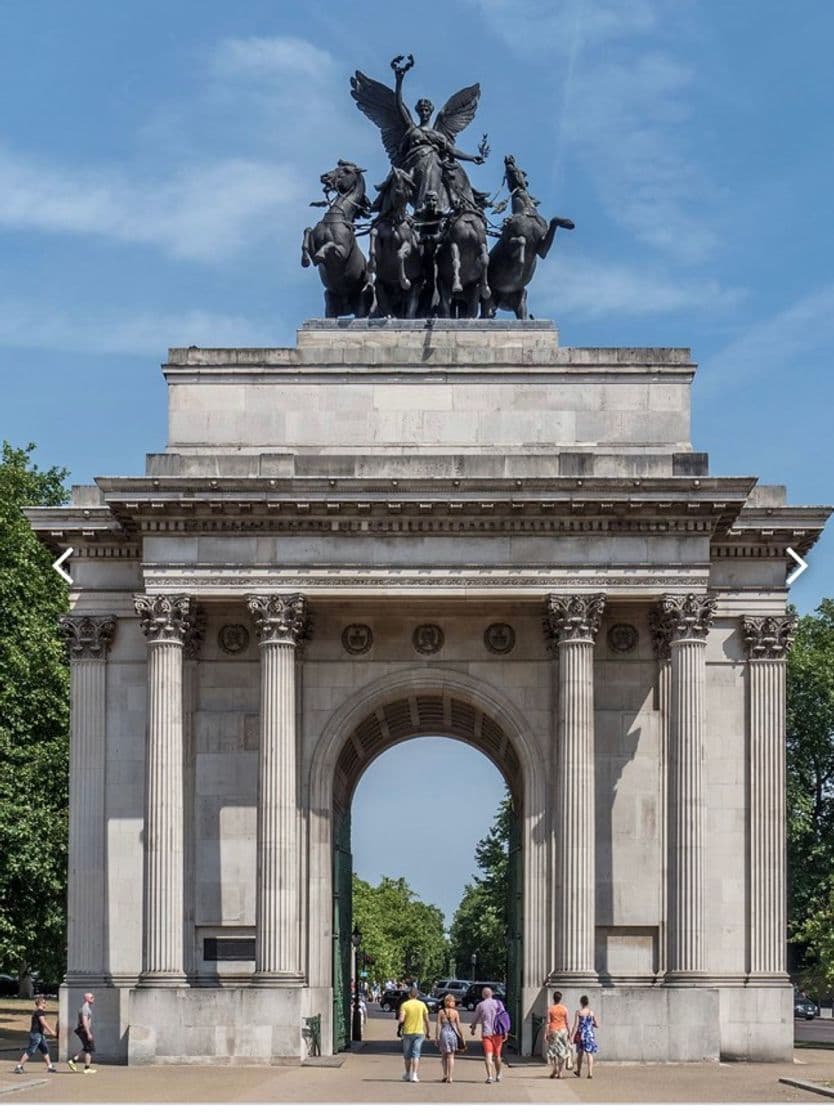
<point x="584" y="1025"/>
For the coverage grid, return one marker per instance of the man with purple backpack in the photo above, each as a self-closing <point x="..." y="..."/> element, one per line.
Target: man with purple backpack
<point x="495" y="1026"/>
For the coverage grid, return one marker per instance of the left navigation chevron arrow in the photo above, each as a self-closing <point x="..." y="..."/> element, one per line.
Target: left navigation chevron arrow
<point x="59" y="568"/>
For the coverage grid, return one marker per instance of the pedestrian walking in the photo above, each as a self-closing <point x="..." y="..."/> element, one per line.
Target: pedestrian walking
<point x="413" y="1018"/>
<point x="39" y="1028"/>
<point x="449" y="1037"/>
<point x="584" y="1026"/>
<point x="558" y="1036"/>
<point x="492" y="1039"/>
<point x="84" y="1030"/>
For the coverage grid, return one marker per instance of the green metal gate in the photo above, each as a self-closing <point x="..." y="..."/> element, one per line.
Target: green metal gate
<point x="342" y="926"/>
<point x="515" y="922"/>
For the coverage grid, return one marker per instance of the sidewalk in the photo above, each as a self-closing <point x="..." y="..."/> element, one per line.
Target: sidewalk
<point x="373" y="1073"/>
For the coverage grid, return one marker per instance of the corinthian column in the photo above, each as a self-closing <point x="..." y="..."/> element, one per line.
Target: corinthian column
<point x="768" y="640"/>
<point x="572" y="623"/>
<point x="165" y="621"/>
<point x="688" y="618"/>
<point x="88" y="638"/>
<point x="281" y="623"/>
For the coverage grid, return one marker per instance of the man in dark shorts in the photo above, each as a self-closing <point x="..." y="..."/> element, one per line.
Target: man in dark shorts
<point x="38" y="1030"/>
<point x="84" y="1030"/>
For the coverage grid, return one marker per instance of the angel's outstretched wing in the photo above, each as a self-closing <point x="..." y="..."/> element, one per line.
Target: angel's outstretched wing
<point x="379" y="104"/>
<point x="458" y="112"/>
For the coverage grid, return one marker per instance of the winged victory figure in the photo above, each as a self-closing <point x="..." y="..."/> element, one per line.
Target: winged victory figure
<point x="427" y="153"/>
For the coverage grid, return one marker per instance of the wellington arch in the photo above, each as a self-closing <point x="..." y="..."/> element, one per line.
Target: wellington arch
<point x="401" y="527"/>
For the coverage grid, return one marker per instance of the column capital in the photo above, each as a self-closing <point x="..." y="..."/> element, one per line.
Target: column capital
<point x="768" y="637"/>
<point x="88" y="636"/>
<point x="284" y="619"/>
<point x="571" y="617"/>
<point x="687" y="617"/>
<point x="195" y="634"/>
<point x="661" y="630"/>
<point x="164" y="617"/>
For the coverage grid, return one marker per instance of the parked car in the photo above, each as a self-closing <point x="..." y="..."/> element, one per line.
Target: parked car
<point x="391" y="1001"/>
<point x="8" y="984"/>
<point x="474" y="993"/>
<point x="804" y="1008"/>
<point x="456" y="988"/>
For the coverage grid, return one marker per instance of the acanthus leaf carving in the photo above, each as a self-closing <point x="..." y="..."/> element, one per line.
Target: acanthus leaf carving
<point x="87" y="636"/>
<point x="164" y="617"/>
<point x="281" y="618"/>
<point x="768" y="637"/>
<point x="571" y="617"/>
<point x="687" y="616"/>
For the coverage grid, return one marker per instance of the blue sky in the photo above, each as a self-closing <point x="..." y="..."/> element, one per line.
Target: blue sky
<point x="156" y="161"/>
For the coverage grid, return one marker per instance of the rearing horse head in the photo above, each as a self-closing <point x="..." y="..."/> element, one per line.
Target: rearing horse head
<point x="346" y="180"/>
<point x="394" y="191"/>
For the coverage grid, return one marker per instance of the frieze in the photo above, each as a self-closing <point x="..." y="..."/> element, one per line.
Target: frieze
<point x="768" y="637"/>
<point x="386" y="580"/>
<point x="87" y="637"/>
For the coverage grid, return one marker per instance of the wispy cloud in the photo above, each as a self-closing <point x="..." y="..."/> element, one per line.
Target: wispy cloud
<point x="779" y="347"/>
<point x="596" y="288"/>
<point x="125" y="332"/>
<point x="623" y="112"/>
<point x="219" y="192"/>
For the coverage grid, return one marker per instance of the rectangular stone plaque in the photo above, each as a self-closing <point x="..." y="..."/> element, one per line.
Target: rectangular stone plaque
<point x="229" y="949"/>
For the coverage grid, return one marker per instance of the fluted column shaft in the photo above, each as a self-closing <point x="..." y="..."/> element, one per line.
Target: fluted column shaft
<point x="687" y="619"/>
<point x="281" y="624"/>
<point x="88" y="638"/>
<point x="165" y="623"/>
<point x="687" y="818"/>
<point x="572" y="623"/>
<point x="768" y="640"/>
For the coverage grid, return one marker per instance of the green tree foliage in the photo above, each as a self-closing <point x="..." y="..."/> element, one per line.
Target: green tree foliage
<point x="402" y="934"/>
<point x="34" y="721"/>
<point x="810" y="780"/>
<point x="481" y="920"/>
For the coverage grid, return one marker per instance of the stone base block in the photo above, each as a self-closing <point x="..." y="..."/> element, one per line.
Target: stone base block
<point x="757" y="1023"/>
<point x="652" y="1024"/>
<point x="221" y="1026"/>
<point x="110" y="1020"/>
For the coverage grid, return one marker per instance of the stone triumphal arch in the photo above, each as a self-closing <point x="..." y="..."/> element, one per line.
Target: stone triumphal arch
<point x="454" y="527"/>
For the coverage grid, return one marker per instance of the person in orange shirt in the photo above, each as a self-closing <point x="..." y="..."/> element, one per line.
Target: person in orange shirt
<point x="558" y="1039"/>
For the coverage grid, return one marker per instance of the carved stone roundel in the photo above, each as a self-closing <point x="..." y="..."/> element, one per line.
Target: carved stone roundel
<point x="499" y="637"/>
<point x="428" y="638"/>
<point x="623" y="637"/>
<point x="233" y="638"/>
<point x="357" y="638"/>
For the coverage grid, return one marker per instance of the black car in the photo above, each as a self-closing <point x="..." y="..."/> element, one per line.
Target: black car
<point x="8" y="985"/>
<point x="474" y="993"/>
<point x="804" y="1008"/>
<point x="390" y="1001"/>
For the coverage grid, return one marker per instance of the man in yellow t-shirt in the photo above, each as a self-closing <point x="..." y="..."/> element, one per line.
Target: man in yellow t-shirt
<point x="414" y="1018"/>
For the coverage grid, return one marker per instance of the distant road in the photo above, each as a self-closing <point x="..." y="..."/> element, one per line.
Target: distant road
<point x="814" y="1030"/>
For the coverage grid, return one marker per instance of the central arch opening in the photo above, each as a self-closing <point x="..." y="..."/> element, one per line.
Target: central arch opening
<point x="410" y="724"/>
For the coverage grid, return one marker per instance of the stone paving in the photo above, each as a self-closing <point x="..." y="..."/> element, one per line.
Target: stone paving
<point x="373" y="1073"/>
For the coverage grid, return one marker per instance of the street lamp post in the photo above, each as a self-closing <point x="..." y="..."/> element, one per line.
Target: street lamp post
<point x="356" y="1031"/>
<point x="473" y="960"/>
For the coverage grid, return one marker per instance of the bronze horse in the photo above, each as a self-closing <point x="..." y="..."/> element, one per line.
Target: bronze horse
<point x="395" y="258"/>
<point x="331" y="244"/>
<point x="462" y="261"/>
<point x="525" y="235"/>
